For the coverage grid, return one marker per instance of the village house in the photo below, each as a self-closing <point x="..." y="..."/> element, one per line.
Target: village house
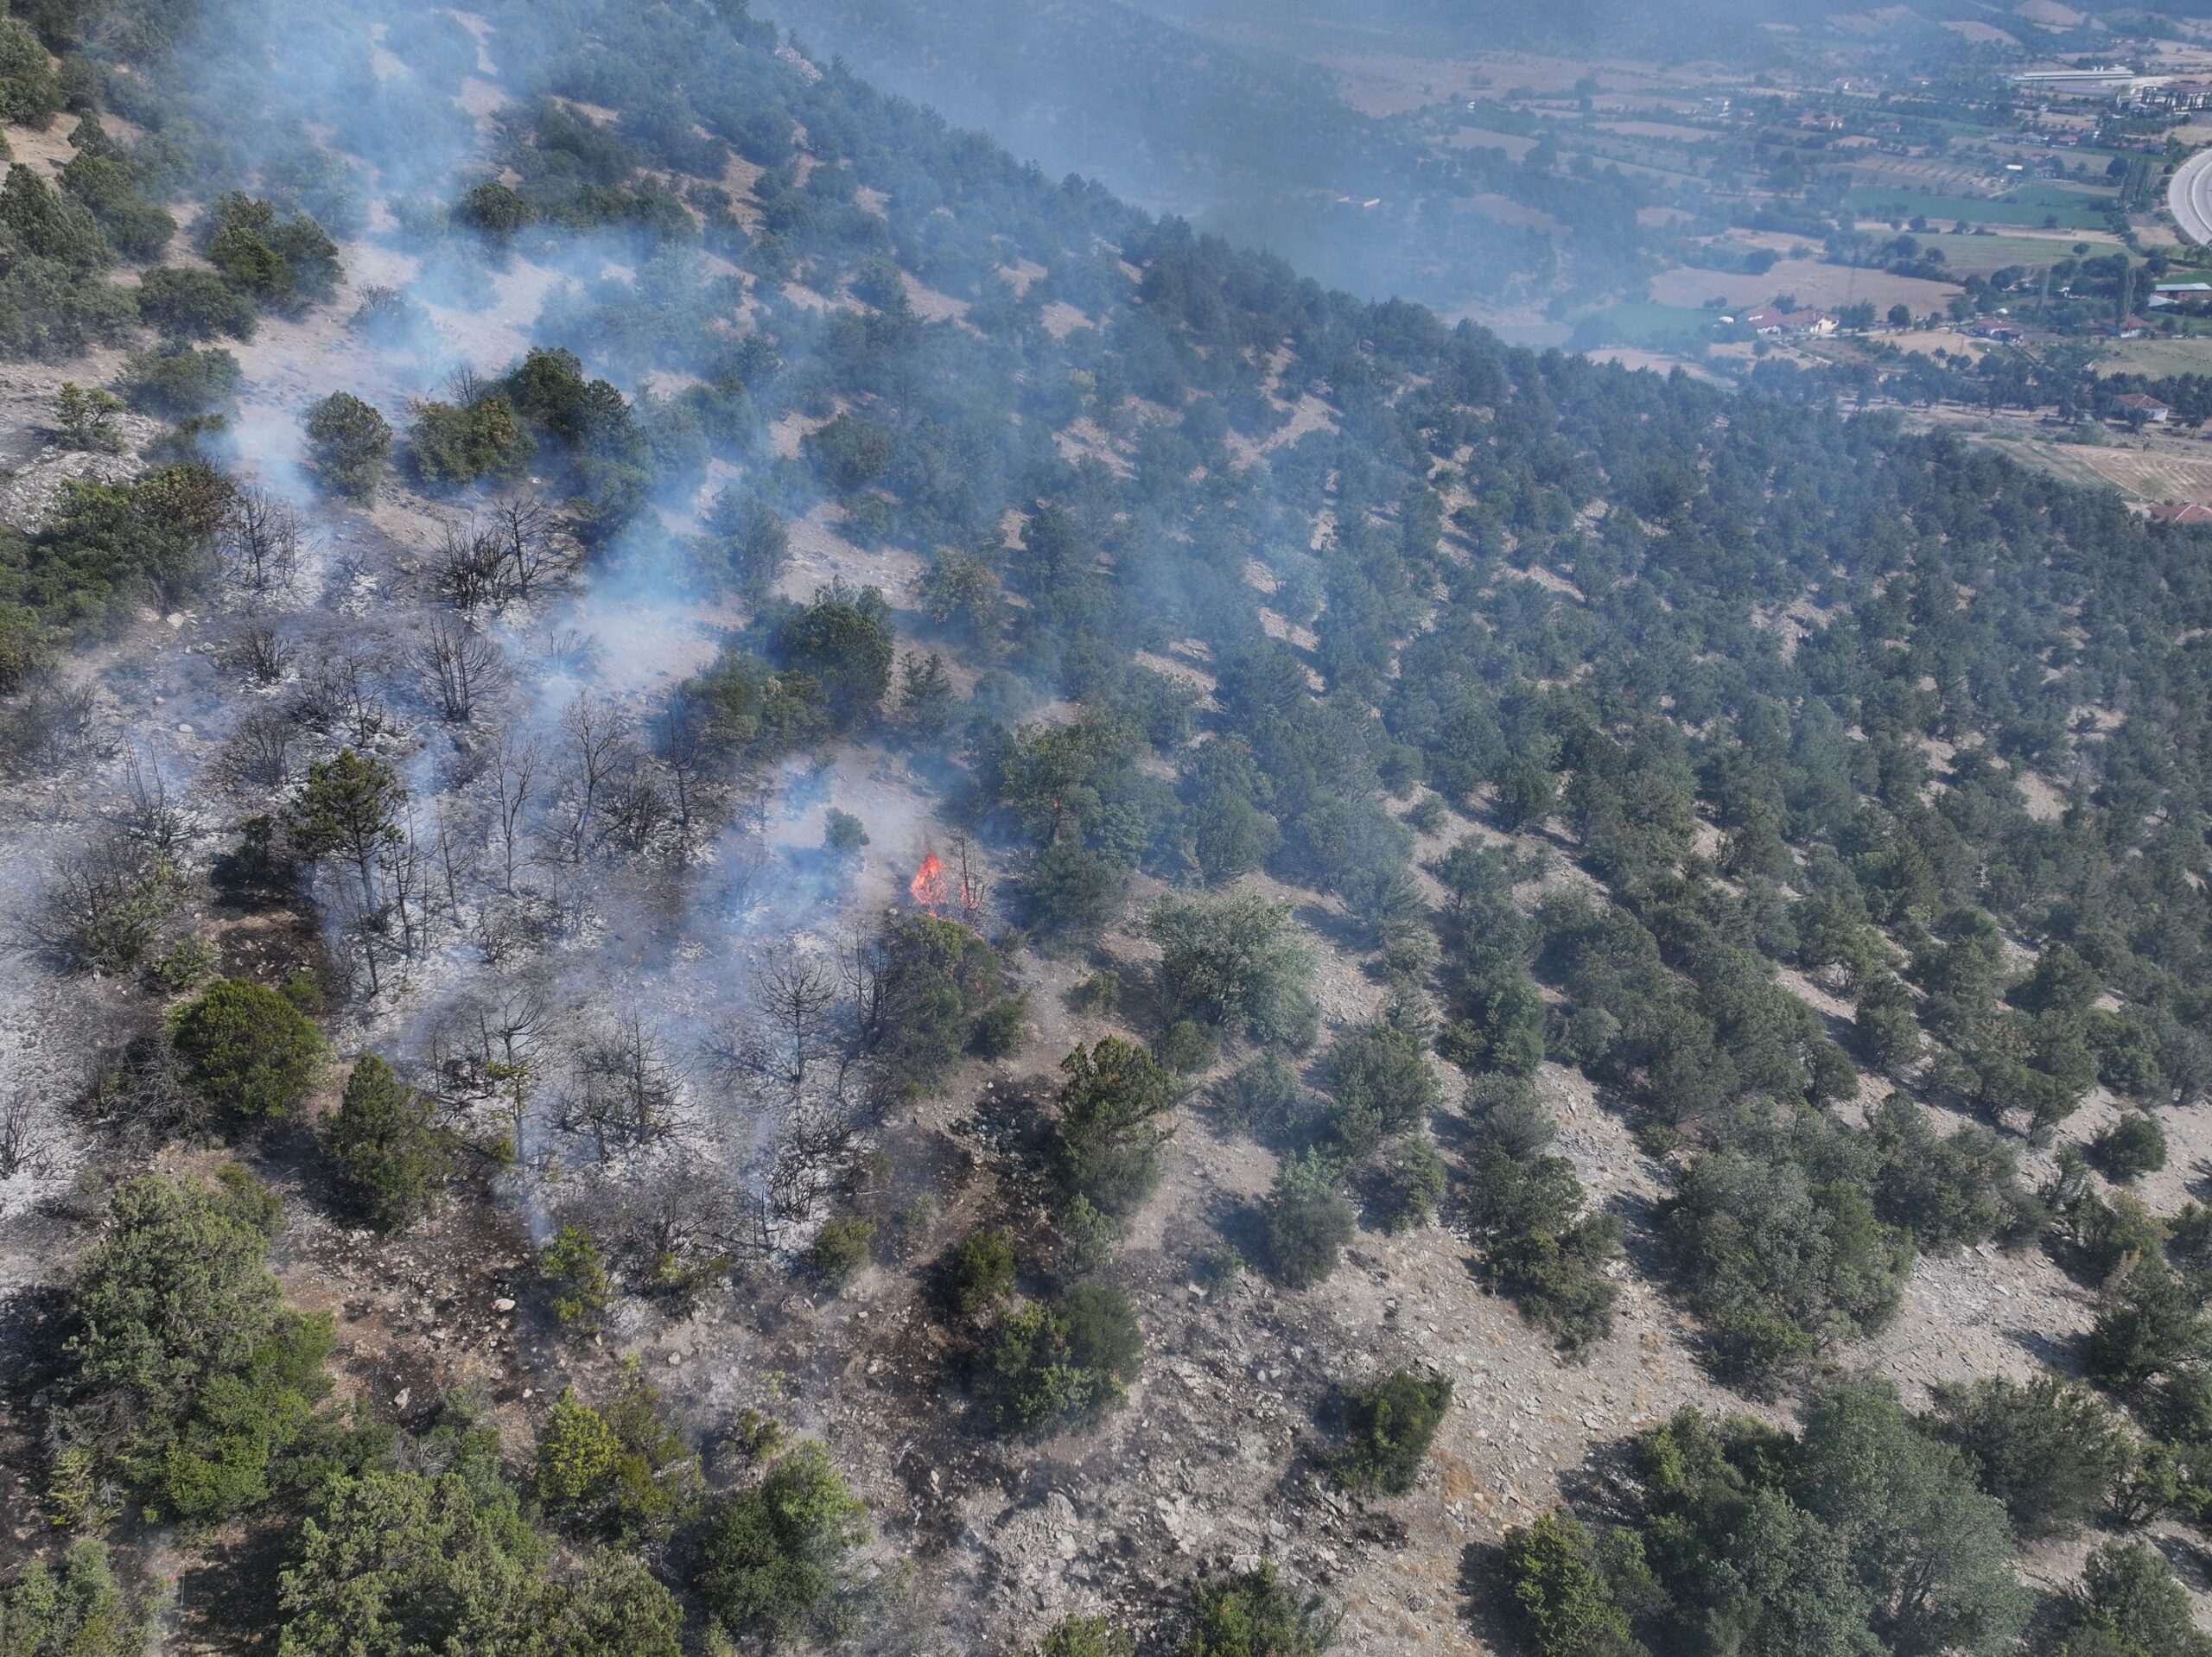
<point x="1769" y="321"/>
<point x="2185" y="512"/>
<point x="2129" y="405"/>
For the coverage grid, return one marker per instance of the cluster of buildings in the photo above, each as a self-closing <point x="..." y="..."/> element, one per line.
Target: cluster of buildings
<point x="1769" y="323"/>
<point x="2172" y="95"/>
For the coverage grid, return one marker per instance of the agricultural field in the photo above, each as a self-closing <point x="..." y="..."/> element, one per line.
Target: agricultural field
<point x="1978" y="255"/>
<point x="1814" y="282"/>
<point x="2156" y="473"/>
<point x="1514" y="145"/>
<point x="2156" y="358"/>
<point x="2050" y="204"/>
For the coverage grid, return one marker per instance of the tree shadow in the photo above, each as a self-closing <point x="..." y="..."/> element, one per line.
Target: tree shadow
<point x="1341" y="931"/>
<point x="2048" y="1350"/>
<point x="1483" y="1593"/>
<point x="234" y="1589"/>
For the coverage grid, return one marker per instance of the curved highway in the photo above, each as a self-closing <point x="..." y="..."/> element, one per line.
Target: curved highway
<point x="2189" y="196"/>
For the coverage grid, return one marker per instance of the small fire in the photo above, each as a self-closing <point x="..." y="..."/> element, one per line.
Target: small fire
<point x="928" y="884"/>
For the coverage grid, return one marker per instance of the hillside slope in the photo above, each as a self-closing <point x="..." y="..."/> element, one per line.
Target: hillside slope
<point x="988" y="829"/>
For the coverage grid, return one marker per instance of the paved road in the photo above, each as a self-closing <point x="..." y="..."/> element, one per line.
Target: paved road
<point x="2189" y="195"/>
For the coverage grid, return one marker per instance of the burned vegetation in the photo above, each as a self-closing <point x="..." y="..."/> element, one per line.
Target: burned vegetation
<point x="776" y="889"/>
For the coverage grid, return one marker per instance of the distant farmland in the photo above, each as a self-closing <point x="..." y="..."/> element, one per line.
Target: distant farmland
<point x="2030" y="205"/>
<point x="1980" y="255"/>
<point x="1828" y="286"/>
<point x="2151" y="474"/>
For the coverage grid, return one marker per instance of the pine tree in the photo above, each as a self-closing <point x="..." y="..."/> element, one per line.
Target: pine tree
<point x="384" y="1147"/>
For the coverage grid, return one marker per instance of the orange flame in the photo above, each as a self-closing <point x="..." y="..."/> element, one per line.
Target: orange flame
<point x="928" y="884"/>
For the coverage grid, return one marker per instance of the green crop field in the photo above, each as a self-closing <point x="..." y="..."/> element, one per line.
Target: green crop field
<point x="1980" y="255"/>
<point x="2030" y="204"/>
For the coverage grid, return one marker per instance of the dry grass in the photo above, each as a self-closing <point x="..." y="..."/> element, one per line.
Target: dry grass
<point x="2157" y="475"/>
<point x="1829" y="286"/>
<point x="2156" y="358"/>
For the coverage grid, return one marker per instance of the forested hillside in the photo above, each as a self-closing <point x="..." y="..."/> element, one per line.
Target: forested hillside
<point x="1250" y="143"/>
<point x="780" y="888"/>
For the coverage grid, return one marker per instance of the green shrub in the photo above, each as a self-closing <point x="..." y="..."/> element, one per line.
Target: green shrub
<point x="1064" y="1362"/>
<point x="2147" y="1326"/>
<point x="1099" y="994"/>
<point x="86" y="418"/>
<point x="30" y="96"/>
<point x="2052" y="1453"/>
<point x="1238" y="963"/>
<point x="776" y="1553"/>
<point x="77" y="1609"/>
<point x="1782" y="1262"/>
<point x="109" y="186"/>
<point x="1001" y="1027"/>
<point x="48" y="224"/>
<point x="575" y="1464"/>
<point x="2095" y="1236"/>
<point x="1540" y="1247"/>
<point x="1556" y="1594"/>
<point x="111" y="546"/>
<point x="1265" y="1097"/>
<point x="1382" y="1085"/>
<point x="2129" y="1596"/>
<point x="1427" y="814"/>
<point x="1069" y="893"/>
<point x="183" y="964"/>
<point x="1305" y="1223"/>
<point x="1504" y="1110"/>
<point x="1557" y="1278"/>
<point x="245" y="1049"/>
<point x="912" y="1227"/>
<point x="1389" y="1424"/>
<point x="1084" y="1636"/>
<point x="25" y="650"/>
<point x="1256" y="1614"/>
<point x="1408" y="1183"/>
<point x="983" y="1271"/>
<point x="1187" y="1045"/>
<point x="181" y="303"/>
<point x="2188" y="1247"/>
<point x="108" y="910"/>
<point x="279" y="262"/>
<point x="451" y="447"/>
<point x="1111" y="1128"/>
<point x="1948" y="1191"/>
<point x="2130" y="1147"/>
<point x="932" y="977"/>
<point x="576" y="1272"/>
<point x="493" y="208"/>
<point x="844" y="642"/>
<point x="842" y="834"/>
<point x="1089" y="1234"/>
<point x="179" y="380"/>
<point x="188" y="1381"/>
<point x="626" y="1471"/>
<point x="445" y="1561"/>
<point x="348" y="445"/>
<point x="840" y="1250"/>
<point x="384" y="1147"/>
